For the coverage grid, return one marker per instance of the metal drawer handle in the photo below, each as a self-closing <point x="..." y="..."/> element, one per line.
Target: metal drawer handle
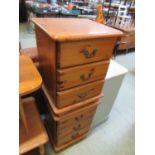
<point x="87" y="77"/>
<point x="85" y="94"/>
<point x="82" y="95"/>
<point x="89" y="55"/>
<point x="77" y="128"/>
<point x="75" y="135"/>
<point x="79" y="118"/>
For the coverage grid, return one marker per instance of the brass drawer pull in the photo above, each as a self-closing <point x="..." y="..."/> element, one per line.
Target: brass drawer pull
<point x="85" y="94"/>
<point x="86" y="78"/>
<point x="89" y="55"/>
<point x="82" y="95"/>
<point x="79" y="118"/>
<point x="75" y="135"/>
<point x="77" y="128"/>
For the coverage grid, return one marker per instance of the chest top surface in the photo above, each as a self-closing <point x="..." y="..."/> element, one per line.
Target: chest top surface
<point x="63" y="29"/>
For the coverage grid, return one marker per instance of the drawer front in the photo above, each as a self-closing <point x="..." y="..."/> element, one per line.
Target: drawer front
<point x="78" y="118"/>
<point x="71" y="136"/>
<point x="75" y="76"/>
<point x="73" y="128"/>
<point x="78" y="94"/>
<point x="82" y="52"/>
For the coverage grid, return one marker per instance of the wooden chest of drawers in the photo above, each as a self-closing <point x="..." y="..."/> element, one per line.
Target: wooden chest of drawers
<point x="74" y="58"/>
<point x="69" y="124"/>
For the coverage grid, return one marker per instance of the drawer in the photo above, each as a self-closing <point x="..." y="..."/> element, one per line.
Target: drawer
<point x="71" y="124"/>
<point x="78" y="118"/>
<point x="75" y="76"/>
<point x="82" y="52"/>
<point x="72" y="136"/>
<point x="73" y="128"/>
<point x="78" y="94"/>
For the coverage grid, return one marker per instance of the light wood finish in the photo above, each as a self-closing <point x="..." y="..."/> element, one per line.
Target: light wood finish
<point x="71" y="77"/>
<point x="47" y="60"/>
<point x="128" y="40"/>
<point x="42" y="150"/>
<point x="58" y="113"/>
<point x="64" y="29"/>
<point x="71" y="136"/>
<point x="38" y="136"/>
<point x="59" y="148"/>
<point x="72" y="122"/>
<point x="29" y="81"/>
<point x="74" y="127"/>
<point x="81" y="52"/>
<point x="30" y="52"/>
<point x="55" y="54"/>
<point x="74" y="57"/>
<point x="100" y="18"/>
<point x="78" y="94"/>
<point x="79" y="118"/>
<point x="22" y="115"/>
<point x="29" y="77"/>
<point x="76" y="116"/>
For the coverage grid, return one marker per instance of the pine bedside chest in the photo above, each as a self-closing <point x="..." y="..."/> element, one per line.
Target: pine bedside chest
<point x="74" y="56"/>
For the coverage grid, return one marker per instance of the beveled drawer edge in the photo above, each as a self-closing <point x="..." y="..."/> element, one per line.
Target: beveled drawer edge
<point x="81" y="86"/>
<point x="55" y="111"/>
<point x="61" y="71"/>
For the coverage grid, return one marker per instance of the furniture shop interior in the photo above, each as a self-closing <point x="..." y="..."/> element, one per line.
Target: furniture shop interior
<point x="77" y="77"/>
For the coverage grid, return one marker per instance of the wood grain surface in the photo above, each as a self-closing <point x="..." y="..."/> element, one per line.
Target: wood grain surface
<point x="78" y="94"/>
<point x="29" y="77"/>
<point x="85" y="51"/>
<point x="76" y="76"/>
<point x="64" y="29"/>
<point x="37" y="135"/>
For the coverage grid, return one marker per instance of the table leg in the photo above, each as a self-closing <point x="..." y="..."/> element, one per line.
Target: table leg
<point x="22" y="114"/>
<point x="41" y="150"/>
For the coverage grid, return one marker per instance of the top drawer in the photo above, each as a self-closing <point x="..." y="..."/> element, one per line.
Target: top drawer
<point x="82" y="52"/>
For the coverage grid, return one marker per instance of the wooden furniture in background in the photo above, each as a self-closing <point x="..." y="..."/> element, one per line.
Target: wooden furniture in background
<point x="32" y="133"/>
<point x="29" y="77"/>
<point x="100" y="18"/>
<point x="74" y="58"/>
<point x="127" y="41"/>
<point x="32" y="53"/>
<point x="29" y="81"/>
<point x="37" y="136"/>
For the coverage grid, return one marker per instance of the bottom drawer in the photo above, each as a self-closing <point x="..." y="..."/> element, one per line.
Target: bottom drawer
<point x="72" y="128"/>
<point x="72" y="136"/>
<point x="76" y="118"/>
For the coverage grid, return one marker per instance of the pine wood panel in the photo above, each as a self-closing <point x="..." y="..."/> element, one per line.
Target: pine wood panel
<point x="76" y="118"/>
<point x="59" y="148"/>
<point x="37" y="135"/>
<point x="66" y="112"/>
<point x="64" y="29"/>
<point x="73" y="128"/>
<point x="82" y="52"/>
<point x="72" y="136"/>
<point x="78" y="94"/>
<point x="29" y="77"/>
<point x="47" y="60"/>
<point x="71" y="77"/>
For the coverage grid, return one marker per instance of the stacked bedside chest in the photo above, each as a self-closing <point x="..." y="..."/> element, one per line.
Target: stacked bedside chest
<point x="74" y="56"/>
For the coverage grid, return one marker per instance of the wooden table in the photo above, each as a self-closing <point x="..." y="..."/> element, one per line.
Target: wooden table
<point x="29" y="77"/>
<point x="29" y="81"/>
<point x="37" y="136"/>
<point x="32" y="132"/>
